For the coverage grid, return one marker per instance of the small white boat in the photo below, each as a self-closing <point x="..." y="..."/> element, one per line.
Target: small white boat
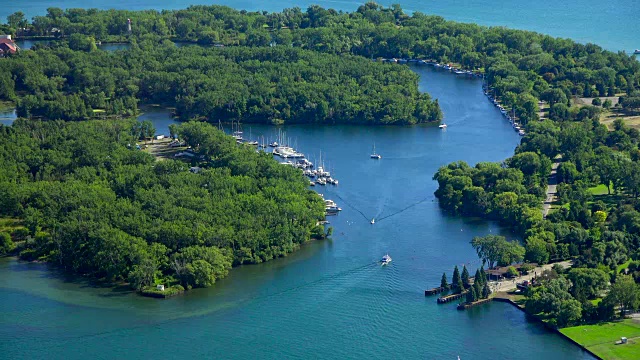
<point x="373" y="221"/>
<point x="274" y="144"/>
<point x="375" y="155"/>
<point x="385" y="259"/>
<point x="637" y="52"/>
<point x="443" y="126"/>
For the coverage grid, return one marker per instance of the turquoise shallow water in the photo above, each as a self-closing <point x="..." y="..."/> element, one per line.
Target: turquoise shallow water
<point x="612" y="24"/>
<point x="330" y="299"/>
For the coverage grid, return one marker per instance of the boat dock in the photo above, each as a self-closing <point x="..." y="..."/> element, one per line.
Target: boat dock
<point x="450" y="298"/>
<point x="436" y="290"/>
<point x="468" y="305"/>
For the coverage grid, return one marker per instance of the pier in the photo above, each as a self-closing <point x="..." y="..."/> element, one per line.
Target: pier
<point x="468" y="305"/>
<point x="436" y="290"/>
<point x="449" y="298"/>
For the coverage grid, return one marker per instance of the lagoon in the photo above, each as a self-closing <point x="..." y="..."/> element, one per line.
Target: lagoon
<point x="331" y="299"/>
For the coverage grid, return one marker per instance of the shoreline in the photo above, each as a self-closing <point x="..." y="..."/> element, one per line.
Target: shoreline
<point x="497" y="298"/>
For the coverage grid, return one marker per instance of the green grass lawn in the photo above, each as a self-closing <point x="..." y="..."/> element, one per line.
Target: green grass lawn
<point x="621" y="267"/>
<point x="601" y="338"/>
<point x="596" y="301"/>
<point x="599" y="190"/>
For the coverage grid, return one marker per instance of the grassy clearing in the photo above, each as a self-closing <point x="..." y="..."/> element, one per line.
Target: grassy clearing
<point x="596" y="301"/>
<point x="599" y="190"/>
<point x="601" y="338"/>
<point x="621" y="267"/>
<point x="610" y="115"/>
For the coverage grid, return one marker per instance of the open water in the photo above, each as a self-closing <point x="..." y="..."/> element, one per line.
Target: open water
<point x="331" y="299"/>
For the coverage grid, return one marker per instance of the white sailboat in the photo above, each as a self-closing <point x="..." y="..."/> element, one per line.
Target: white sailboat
<point x="375" y="155"/>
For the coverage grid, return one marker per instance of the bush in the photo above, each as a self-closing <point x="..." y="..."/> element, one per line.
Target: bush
<point x="152" y="291"/>
<point x="6" y="244"/>
<point x="558" y="268"/>
<point x="512" y="272"/>
<point x="526" y="268"/>
<point x="596" y="102"/>
<point x="20" y="234"/>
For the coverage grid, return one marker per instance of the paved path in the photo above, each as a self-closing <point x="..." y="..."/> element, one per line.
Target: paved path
<point x="551" y="187"/>
<point x="510" y="284"/>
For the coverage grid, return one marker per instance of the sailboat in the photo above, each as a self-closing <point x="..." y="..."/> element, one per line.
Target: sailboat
<point x="375" y="155"/>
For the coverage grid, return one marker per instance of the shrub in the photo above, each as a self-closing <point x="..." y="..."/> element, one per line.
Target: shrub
<point x="512" y="272"/>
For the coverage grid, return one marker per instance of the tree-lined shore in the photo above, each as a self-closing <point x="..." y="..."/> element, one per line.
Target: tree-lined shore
<point x="317" y="66"/>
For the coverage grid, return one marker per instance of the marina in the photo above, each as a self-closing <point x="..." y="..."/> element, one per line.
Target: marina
<point x="335" y="292"/>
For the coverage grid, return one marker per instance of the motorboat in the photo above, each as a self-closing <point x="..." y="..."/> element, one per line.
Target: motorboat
<point x="373" y="221"/>
<point x="637" y="52"/>
<point x="385" y="259"/>
<point x="332" y="210"/>
<point x="274" y="144"/>
<point x="443" y="126"/>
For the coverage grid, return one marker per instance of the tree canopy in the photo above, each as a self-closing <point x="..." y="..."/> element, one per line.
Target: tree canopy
<point x="95" y="205"/>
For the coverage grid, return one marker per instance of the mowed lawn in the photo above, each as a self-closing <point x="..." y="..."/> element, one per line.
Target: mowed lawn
<point x="601" y="338"/>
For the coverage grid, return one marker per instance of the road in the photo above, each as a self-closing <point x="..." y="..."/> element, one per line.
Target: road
<point x="510" y="284"/>
<point x="551" y="187"/>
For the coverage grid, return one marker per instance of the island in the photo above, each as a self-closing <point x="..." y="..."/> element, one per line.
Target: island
<point x="570" y="190"/>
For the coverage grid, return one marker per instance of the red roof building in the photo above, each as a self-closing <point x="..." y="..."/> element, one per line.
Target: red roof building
<point x="7" y="46"/>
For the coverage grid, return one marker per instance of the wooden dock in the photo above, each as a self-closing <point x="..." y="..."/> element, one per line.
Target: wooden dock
<point x="434" y="291"/>
<point x="449" y="298"/>
<point x="468" y="305"/>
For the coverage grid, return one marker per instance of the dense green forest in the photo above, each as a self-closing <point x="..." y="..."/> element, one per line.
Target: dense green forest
<point x="599" y="230"/>
<point x="315" y="66"/>
<point x="276" y="85"/>
<point x="95" y="205"/>
<point x="520" y="66"/>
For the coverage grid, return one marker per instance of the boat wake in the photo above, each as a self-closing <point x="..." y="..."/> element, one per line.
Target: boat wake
<point x="353" y="207"/>
<point x="403" y="209"/>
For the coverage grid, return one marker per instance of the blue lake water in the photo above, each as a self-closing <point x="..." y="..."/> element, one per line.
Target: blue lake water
<point x="331" y="299"/>
<point x="7" y="116"/>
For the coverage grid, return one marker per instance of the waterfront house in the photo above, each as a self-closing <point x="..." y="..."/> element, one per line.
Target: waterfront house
<point x="7" y="46"/>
